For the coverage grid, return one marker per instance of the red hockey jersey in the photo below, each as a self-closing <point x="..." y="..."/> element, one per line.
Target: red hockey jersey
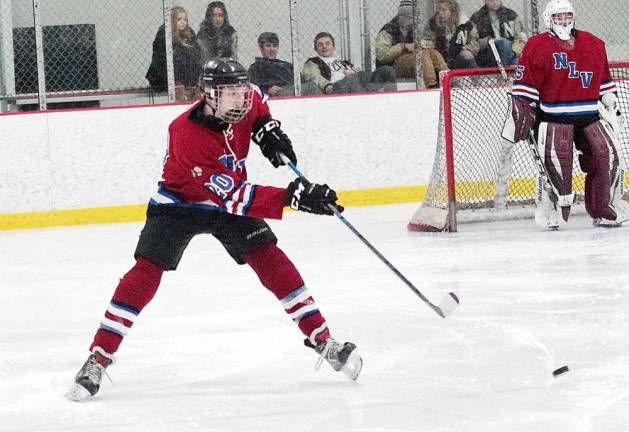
<point x="205" y="168"/>
<point x="565" y="81"/>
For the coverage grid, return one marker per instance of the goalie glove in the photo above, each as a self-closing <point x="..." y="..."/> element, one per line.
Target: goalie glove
<point x="311" y="197"/>
<point x="609" y="112"/>
<point x="273" y="141"/>
<point x="520" y="119"/>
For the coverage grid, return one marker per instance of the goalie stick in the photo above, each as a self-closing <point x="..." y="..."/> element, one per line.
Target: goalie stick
<point x="532" y="142"/>
<point x="449" y="303"/>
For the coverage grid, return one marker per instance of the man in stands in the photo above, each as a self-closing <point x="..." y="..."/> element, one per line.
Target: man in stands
<point x="558" y="82"/>
<point x="272" y="75"/>
<point x="497" y="22"/>
<point x="333" y="75"/>
<point x="395" y="47"/>
<point x="204" y="190"/>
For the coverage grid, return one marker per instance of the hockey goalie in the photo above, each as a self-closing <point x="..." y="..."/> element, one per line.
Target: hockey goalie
<point x="564" y="93"/>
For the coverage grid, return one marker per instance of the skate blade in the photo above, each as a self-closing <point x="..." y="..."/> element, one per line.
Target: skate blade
<point x="78" y="393"/>
<point x="606" y="224"/>
<point x="353" y="365"/>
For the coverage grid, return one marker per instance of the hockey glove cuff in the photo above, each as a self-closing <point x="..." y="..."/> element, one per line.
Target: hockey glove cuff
<point x="273" y="141"/>
<point x="311" y="197"/>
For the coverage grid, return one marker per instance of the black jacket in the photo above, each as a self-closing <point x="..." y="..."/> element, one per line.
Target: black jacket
<point x="185" y="63"/>
<point x="483" y="22"/>
<point x="216" y="42"/>
<point x="465" y="35"/>
<point x="267" y="73"/>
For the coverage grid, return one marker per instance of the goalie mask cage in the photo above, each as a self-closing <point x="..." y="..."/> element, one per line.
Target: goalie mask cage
<point x="477" y="175"/>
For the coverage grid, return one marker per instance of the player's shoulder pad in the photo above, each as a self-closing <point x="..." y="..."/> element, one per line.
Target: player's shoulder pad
<point x="589" y="37"/>
<point x="263" y="96"/>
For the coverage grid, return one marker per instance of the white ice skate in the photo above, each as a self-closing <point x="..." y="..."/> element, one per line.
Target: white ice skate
<point x="342" y="357"/>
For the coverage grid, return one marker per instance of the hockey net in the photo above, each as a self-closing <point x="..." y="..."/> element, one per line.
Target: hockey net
<point x="479" y="176"/>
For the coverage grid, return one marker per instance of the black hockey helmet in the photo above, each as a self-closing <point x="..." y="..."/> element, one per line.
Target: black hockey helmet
<point x="222" y="74"/>
<point x="223" y="71"/>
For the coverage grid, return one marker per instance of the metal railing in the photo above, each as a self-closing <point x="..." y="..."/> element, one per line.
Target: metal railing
<point x="58" y="53"/>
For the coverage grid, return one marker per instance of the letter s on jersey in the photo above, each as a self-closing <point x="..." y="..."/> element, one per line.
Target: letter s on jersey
<point x="519" y="72"/>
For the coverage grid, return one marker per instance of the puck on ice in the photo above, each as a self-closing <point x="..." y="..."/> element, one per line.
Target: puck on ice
<point x="562" y="370"/>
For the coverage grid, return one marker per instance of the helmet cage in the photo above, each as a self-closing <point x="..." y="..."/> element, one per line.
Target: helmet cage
<point x="230" y="102"/>
<point x="224" y="83"/>
<point x="554" y="7"/>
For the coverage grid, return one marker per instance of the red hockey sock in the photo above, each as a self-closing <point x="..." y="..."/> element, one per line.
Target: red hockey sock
<point x="134" y="291"/>
<point x="279" y="275"/>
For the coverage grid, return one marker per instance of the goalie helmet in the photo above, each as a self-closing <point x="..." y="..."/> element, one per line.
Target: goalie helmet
<point x="563" y="29"/>
<point x="224" y="83"/>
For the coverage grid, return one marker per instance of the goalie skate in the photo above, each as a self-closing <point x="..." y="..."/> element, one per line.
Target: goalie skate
<point x="606" y="223"/>
<point x="87" y="381"/>
<point x="342" y="357"/>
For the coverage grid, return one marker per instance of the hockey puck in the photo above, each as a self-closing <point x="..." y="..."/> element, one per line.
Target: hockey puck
<point x="562" y="370"/>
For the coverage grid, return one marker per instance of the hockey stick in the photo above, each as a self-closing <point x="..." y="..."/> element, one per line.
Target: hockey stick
<point x="532" y="142"/>
<point x="449" y="303"/>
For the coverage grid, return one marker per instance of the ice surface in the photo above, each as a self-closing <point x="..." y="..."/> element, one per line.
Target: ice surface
<point x="215" y="352"/>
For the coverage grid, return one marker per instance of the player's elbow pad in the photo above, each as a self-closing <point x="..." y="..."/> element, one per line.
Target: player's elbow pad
<point x="520" y="119"/>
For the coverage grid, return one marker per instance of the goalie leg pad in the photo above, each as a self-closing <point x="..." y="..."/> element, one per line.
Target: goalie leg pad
<point x="547" y="215"/>
<point x="555" y="147"/>
<point x="599" y="161"/>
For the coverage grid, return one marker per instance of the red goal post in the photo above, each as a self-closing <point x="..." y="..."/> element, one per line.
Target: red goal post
<point x="479" y="176"/>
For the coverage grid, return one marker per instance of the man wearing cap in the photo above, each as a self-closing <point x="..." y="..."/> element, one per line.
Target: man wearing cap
<point x="395" y="46"/>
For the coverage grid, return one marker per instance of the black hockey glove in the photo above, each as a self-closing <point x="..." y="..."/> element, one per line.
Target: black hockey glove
<point x="273" y="141"/>
<point x="311" y="197"/>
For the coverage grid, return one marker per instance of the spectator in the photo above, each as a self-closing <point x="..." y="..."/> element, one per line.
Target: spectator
<point x="217" y="38"/>
<point x="272" y="75"/>
<point x="333" y="75"/>
<point x="185" y="58"/>
<point x="495" y="21"/>
<point x="453" y="35"/>
<point x="395" y="46"/>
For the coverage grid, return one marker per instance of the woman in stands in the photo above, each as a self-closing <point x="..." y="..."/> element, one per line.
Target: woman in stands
<point x="453" y="35"/>
<point x="217" y="38"/>
<point x="186" y="58"/>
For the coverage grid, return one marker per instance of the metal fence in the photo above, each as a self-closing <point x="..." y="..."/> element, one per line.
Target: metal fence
<point x="59" y="53"/>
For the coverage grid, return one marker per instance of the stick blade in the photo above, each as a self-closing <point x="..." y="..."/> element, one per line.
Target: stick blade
<point x="449" y="304"/>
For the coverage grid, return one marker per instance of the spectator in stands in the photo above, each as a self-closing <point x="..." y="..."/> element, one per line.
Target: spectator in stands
<point x="395" y="46"/>
<point x="495" y="21"/>
<point x="272" y="75"/>
<point x="217" y="38"/>
<point x="185" y="58"/>
<point x="333" y="75"/>
<point x="453" y="35"/>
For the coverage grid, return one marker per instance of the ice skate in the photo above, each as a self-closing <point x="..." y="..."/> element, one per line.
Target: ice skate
<point x="87" y="380"/>
<point x="547" y="216"/>
<point x="606" y="223"/>
<point x="342" y="357"/>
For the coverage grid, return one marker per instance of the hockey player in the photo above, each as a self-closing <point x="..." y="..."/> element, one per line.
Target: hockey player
<point x="204" y="190"/>
<point x="558" y="82"/>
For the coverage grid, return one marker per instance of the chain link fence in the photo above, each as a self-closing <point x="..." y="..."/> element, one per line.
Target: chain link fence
<point x="73" y="53"/>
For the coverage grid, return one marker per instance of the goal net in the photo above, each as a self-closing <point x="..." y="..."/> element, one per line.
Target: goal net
<point x="479" y="176"/>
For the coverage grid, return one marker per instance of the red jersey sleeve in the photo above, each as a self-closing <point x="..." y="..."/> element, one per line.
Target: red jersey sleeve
<point x="528" y="77"/>
<point x="607" y="82"/>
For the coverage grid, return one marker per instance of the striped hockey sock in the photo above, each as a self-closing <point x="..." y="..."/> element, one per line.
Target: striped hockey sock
<point x="134" y="291"/>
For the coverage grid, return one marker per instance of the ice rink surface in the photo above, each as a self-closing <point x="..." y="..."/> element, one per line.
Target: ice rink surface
<point x="214" y="351"/>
